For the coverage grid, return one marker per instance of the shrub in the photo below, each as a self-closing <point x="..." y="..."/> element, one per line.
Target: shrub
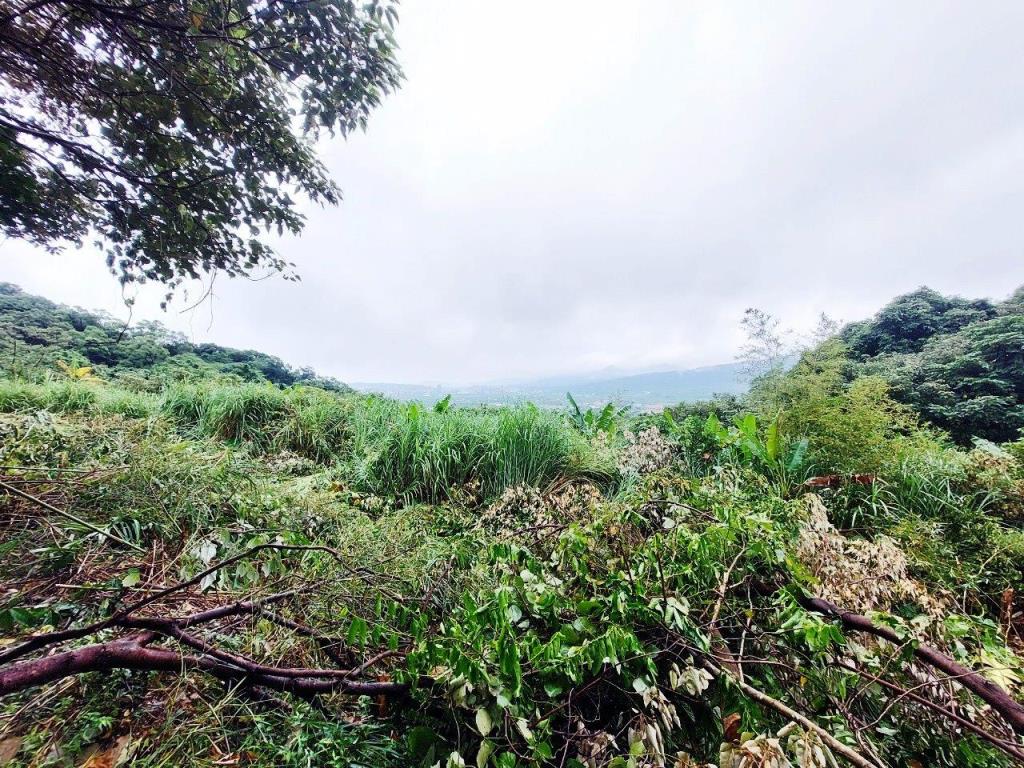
<point x="853" y="427"/>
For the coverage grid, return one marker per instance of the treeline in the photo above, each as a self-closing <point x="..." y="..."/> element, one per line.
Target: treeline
<point x="36" y="333"/>
<point x="949" y="363"/>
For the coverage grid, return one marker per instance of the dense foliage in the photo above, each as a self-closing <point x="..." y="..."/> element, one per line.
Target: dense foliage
<point x="168" y="129"/>
<point x="958" y="362"/>
<point x="36" y="335"/>
<point x="301" y="577"/>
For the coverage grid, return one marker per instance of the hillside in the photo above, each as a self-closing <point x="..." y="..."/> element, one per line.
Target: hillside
<point x="207" y="571"/>
<point x="35" y="333"/>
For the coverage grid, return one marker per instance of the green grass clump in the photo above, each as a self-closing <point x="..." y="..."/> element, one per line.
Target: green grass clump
<point x="309" y="421"/>
<point x="185" y="405"/>
<point x="318" y="424"/>
<point x="252" y="413"/>
<point x="416" y="454"/>
<point x="526" y="446"/>
<point x="58" y="397"/>
<point x="71" y="397"/>
<point x="132" y="405"/>
<point x="17" y="395"/>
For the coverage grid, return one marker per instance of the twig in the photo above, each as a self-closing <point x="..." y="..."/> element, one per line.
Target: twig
<point x="834" y="744"/>
<point x="1008" y="747"/>
<point x="85" y="523"/>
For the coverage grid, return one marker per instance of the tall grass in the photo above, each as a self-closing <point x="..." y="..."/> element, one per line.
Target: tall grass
<point x="251" y="413"/>
<point x="308" y="421"/>
<point x="56" y="396"/>
<point x="131" y="405"/>
<point x="397" y="450"/>
<point x="318" y="424"/>
<point x="526" y="446"/>
<point x="414" y="453"/>
<point x="420" y="455"/>
<point x="185" y="404"/>
<point x="17" y="395"/>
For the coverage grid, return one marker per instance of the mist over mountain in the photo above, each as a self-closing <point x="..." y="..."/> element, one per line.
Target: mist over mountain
<point x="646" y="391"/>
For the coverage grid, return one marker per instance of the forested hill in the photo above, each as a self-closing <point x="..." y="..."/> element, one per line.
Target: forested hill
<point x="36" y="333"/>
<point x="958" y="362"/>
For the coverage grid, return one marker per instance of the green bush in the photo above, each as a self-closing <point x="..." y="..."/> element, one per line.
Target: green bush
<point x="851" y="426"/>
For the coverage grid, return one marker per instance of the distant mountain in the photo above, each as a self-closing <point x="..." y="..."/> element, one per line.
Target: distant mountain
<point x="643" y="391"/>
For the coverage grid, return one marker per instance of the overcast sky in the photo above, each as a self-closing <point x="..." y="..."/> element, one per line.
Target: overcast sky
<point x="563" y="186"/>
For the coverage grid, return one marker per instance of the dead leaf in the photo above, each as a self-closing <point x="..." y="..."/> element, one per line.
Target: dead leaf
<point x="9" y="748"/>
<point x="110" y="756"/>
<point x="731" y="726"/>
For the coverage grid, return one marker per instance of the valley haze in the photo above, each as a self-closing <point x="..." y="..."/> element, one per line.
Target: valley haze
<point x="647" y="391"/>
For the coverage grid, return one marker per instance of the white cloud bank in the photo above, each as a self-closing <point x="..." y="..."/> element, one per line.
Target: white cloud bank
<point x="565" y="186"/>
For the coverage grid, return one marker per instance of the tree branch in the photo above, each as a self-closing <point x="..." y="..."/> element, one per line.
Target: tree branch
<point x="1000" y="701"/>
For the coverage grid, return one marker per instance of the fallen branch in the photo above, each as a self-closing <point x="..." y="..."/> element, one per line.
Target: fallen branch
<point x="1000" y="701"/>
<point x="64" y="513"/>
<point x="761" y="697"/>
<point x="1011" y="749"/>
<point x="51" y="638"/>
<point x="135" y="653"/>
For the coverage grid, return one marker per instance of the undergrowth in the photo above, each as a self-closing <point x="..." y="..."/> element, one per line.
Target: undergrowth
<point x="555" y="590"/>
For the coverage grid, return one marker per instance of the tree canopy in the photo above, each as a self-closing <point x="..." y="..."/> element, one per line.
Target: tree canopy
<point x="178" y="133"/>
<point x="907" y="322"/>
<point x="958" y="362"/>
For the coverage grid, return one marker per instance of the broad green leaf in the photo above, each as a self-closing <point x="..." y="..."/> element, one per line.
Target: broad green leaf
<point x="483" y="721"/>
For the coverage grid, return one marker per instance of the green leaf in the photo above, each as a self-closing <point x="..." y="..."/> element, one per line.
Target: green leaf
<point x="485" y="751"/>
<point x="771" y="447"/>
<point x="483" y="721"/>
